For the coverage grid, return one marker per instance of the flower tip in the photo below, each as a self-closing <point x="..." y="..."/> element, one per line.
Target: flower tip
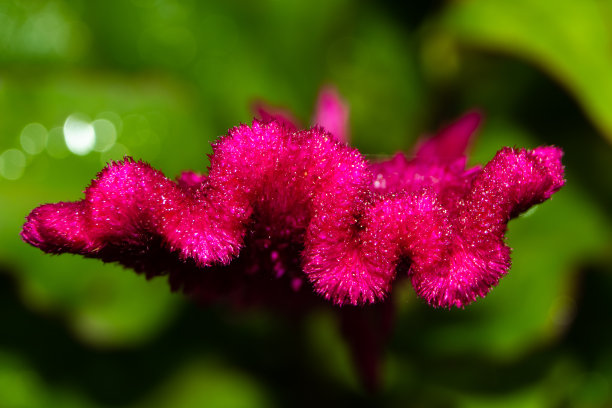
<point x="471" y="120"/>
<point x="540" y="169"/>
<point x="30" y="232"/>
<point x="452" y="141"/>
<point x="332" y="113"/>
<point x="447" y="298"/>
<point x="54" y="228"/>
<point x="550" y="155"/>
<point x="468" y="275"/>
<point x="344" y="291"/>
<point x="550" y="158"/>
<point x="266" y="113"/>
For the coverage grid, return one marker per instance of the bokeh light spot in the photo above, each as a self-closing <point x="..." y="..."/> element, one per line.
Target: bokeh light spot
<point x="79" y="134"/>
<point x="33" y="138"/>
<point x="56" y="146"/>
<point x="12" y="164"/>
<point x="114" y="118"/>
<point x="105" y="134"/>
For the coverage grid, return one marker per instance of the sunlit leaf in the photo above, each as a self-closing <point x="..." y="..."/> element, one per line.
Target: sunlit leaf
<point x="570" y="40"/>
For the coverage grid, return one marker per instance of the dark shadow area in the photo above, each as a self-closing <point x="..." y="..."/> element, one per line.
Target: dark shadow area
<point x="411" y="14"/>
<point x="274" y="354"/>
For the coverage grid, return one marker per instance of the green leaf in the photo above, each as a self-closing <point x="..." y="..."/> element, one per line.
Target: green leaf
<point x="568" y="39"/>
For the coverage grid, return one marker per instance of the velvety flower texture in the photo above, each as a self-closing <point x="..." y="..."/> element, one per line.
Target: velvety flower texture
<point x="283" y="211"/>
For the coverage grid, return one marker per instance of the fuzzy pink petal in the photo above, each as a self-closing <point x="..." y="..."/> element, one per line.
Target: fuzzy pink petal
<point x="477" y="258"/>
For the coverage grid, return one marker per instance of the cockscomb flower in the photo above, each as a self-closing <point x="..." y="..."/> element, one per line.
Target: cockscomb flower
<point x="284" y="212"/>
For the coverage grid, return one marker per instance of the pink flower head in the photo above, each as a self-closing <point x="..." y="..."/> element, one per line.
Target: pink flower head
<point x="283" y="210"/>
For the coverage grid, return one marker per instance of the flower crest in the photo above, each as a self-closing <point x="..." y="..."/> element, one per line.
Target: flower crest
<point x="283" y="209"/>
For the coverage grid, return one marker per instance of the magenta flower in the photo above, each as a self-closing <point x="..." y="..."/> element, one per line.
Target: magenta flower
<point x="283" y="212"/>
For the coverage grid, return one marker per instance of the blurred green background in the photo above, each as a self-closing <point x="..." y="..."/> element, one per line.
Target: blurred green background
<point x="161" y="79"/>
